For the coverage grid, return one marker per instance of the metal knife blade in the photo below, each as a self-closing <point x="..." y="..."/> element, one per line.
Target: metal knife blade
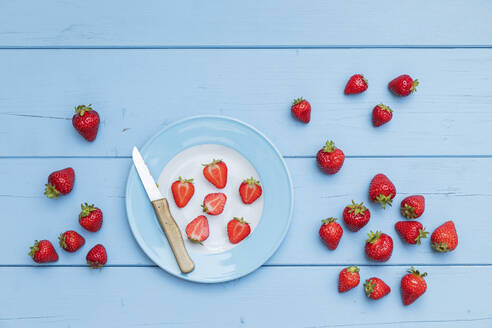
<point x="145" y="176"/>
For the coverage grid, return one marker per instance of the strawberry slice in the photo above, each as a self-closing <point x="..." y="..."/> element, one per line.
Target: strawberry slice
<point x="216" y="173"/>
<point x="197" y="230"/>
<point x="250" y="190"/>
<point x="183" y="190"/>
<point x="213" y="204"/>
<point x="237" y="230"/>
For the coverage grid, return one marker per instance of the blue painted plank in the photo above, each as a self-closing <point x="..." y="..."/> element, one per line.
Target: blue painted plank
<point x="137" y="92"/>
<point x="454" y="188"/>
<point x="250" y="23"/>
<point x="270" y="297"/>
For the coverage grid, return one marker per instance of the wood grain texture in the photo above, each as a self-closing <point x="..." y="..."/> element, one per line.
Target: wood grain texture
<point x="134" y="297"/>
<point x="454" y="189"/>
<point x="137" y="92"/>
<point x="251" y="23"/>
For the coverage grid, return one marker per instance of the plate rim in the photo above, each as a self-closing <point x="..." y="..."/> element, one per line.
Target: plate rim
<point x="277" y="153"/>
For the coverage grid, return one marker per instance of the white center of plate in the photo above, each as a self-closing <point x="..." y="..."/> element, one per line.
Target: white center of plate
<point x="188" y="164"/>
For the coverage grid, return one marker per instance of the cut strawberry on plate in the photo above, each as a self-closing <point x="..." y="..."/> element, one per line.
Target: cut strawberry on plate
<point x="213" y="204"/>
<point x="250" y="190"/>
<point x="183" y="190"/>
<point x="237" y="230"/>
<point x="216" y="173"/>
<point x="197" y="230"/>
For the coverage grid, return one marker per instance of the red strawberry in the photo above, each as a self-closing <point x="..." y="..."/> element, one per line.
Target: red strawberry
<point x="381" y="114"/>
<point x="43" y="252"/>
<point x="376" y="288"/>
<point x="86" y="122"/>
<point x="182" y="190"/>
<point x="71" y="241"/>
<point x="412" y="286"/>
<point x="348" y="278"/>
<point x="237" y="230"/>
<point x="250" y="190"/>
<point x="412" y="207"/>
<point x="356" y="216"/>
<point x="382" y="190"/>
<point x="411" y="231"/>
<point x="302" y="110"/>
<point x="216" y="173"/>
<point x="91" y="217"/>
<point x="97" y="256"/>
<point x="330" y="233"/>
<point x="60" y="183"/>
<point x="330" y="159"/>
<point x="403" y="85"/>
<point x="356" y="84"/>
<point x="197" y="230"/>
<point x="444" y="238"/>
<point x="379" y="246"/>
<point x="213" y="204"/>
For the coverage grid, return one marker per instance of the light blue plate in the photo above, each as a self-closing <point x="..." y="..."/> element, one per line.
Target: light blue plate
<point x="252" y="252"/>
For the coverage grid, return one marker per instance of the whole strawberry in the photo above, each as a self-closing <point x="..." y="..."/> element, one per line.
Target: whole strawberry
<point x="411" y="231"/>
<point x="250" y="190"/>
<point x="381" y="114"/>
<point x="330" y="159"/>
<point x="331" y="233"/>
<point x="356" y="216"/>
<point x="43" y="252"/>
<point x="60" y="183"/>
<point x="348" y="278"/>
<point x="91" y="217"/>
<point x="444" y="238"/>
<point x="412" y="286"/>
<point x="301" y="109"/>
<point x="86" y="122"/>
<point x="403" y="85"/>
<point x="356" y="84"/>
<point x="376" y="288"/>
<point x="379" y="246"/>
<point x="382" y="190"/>
<point x="412" y="207"/>
<point x="71" y="241"/>
<point x="97" y="256"/>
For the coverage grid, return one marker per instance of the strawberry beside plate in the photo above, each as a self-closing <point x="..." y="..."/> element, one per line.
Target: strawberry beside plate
<point x="247" y="150"/>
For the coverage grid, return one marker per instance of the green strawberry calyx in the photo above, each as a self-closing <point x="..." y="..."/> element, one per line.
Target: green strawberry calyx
<point x="440" y="247"/>
<point x="61" y="239"/>
<point x="353" y="269"/>
<point x="369" y="287"/>
<point x="422" y="235"/>
<point x="373" y="237"/>
<point x="365" y="80"/>
<point x="34" y="248"/>
<point x="86" y="209"/>
<point x="50" y="191"/>
<point x="297" y="101"/>
<point x="416" y="272"/>
<point x="329" y="147"/>
<point x="81" y="109"/>
<point x="357" y="208"/>
<point x="384" y="107"/>
<point x="252" y="181"/>
<point x="184" y="180"/>
<point x="94" y="264"/>
<point x="408" y="211"/>
<point x="214" y="161"/>
<point x="329" y="220"/>
<point x="241" y="220"/>
<point x="385" y="200"/>
<point x="414" y="85"/>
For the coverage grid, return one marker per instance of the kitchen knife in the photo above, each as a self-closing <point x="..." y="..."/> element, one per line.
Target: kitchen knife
<point x="161" y="208"/>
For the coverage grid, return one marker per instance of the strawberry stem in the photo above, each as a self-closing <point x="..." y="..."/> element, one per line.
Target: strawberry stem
<point x="86" y="209"/>
<point x="353" y="269"/>
<point x="184" y="180"/>
<point x="385" y="200"/>
<point x="252" y="181"/>
<point x="214" y="161"/>
<point x="81" y="109"/>
<point x="414" y="85"/>
<point x="422" y="235"/>
<point x="373" y="237"/>
<point x="34" y="248"/>
<point x="329" y="220"/>
<point x="440" y="247"/>
<point x="298" y="101"/>
<point x="329" y="147"/>
<point x="50" y="191"/>
<point x="416" y="272"/>
<point x="61" y="239"/>
<point x="357" y="208"/>
<point x="369" y="287"/>
<point x="408" y="211"/>
<point x="386" y="108"/>
<point x="241" y="220"/>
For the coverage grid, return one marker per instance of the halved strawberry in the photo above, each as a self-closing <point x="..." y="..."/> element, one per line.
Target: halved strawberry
<point x="216" y="173"/>
<point x="213" y="204"/>
<point x="250" y="190"/>
<point x="197" y="230"/>
<point x="237" y="230"/>
<point x="183" y="190"/>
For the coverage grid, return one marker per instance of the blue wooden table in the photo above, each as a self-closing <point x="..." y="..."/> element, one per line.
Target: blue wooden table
<point x="146" y="64"/>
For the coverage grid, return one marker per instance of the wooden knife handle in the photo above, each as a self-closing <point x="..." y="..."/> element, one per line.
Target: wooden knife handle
<point x="173" y="234"/>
